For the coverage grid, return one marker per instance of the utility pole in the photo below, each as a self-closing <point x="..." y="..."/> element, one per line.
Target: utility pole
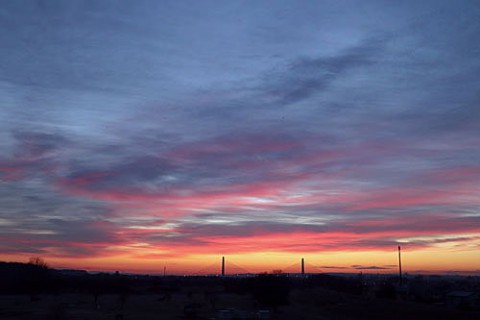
<point x="223" y="266"/>
<point x="303" y="266"/>
<point x="400" y="264"/>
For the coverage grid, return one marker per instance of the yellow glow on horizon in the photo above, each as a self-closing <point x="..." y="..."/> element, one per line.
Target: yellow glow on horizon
<point x="429" y="260"/>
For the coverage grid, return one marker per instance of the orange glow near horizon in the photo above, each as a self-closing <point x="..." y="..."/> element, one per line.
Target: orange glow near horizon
<point x="263" y="216"/>
<point x="423" y="261"/>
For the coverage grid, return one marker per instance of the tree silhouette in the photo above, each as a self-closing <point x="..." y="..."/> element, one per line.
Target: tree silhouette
<point x="39" y="277"/>
<point x="39" y="262"/>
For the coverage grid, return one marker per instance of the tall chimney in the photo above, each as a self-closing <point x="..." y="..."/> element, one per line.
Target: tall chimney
<point x="223" y="266"/>
<point x="400" y="264"/>
<point x="303" y="266"/>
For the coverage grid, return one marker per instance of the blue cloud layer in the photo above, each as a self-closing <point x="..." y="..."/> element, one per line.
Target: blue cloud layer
<point x="225" y="119"/>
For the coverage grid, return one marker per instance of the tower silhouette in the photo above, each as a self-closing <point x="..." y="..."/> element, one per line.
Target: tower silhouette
<point x="400" y="264"/>
<point x="223" y="266"/>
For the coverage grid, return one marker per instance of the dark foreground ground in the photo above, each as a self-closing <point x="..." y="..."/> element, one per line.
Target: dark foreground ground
<point x="303" y="304"/>
<point x="56" y="295"/>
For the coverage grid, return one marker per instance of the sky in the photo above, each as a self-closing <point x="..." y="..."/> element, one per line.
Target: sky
<point x="138" y="135"/>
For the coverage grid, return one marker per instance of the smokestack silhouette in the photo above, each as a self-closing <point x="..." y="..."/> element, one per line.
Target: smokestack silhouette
<point x="303" y="266"/>
<point x="400" y="264"/>
<point x="223" y="266"/>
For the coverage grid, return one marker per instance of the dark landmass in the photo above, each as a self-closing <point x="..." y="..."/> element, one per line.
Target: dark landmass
<point x="34" y="291"/>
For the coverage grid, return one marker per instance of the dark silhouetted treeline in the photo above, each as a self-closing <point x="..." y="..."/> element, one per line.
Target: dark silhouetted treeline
<point x="21" y="278"/>
<point x="24" y="278"/>
<point x="268" y="290"/>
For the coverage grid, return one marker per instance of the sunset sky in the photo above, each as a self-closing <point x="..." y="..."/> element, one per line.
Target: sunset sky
<point x="141" y="134"/>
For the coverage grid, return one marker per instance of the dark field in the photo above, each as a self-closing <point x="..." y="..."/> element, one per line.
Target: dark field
<point x="52" y="294"/>
<point x="303" y="304"/>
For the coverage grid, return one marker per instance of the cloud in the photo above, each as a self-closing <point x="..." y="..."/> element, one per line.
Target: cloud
<point x="122" y="130"/>
<point x="309" y="76"/>
<point x="34" y="152"/>
<point x="245" y="191"/>
<point x="360" y="267"/>
<point x="67" y="238"/>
